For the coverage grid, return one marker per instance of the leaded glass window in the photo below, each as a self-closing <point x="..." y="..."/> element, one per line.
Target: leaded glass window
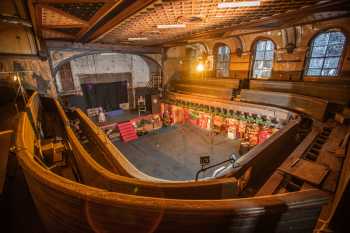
<point x="325" y="54"/>
<point x="263" y="59"/>
<point x="223" y="58"/>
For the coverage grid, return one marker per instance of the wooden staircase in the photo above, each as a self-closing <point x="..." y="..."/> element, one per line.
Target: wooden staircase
<point x="127" y="131"/>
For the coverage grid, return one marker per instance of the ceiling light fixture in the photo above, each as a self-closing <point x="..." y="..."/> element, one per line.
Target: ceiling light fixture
<point x="222" y="5"/>
<point x="164" y="26"/>
<point x="137" y="38"/>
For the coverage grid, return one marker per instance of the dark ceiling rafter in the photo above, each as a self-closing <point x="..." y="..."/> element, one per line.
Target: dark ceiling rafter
<point x="129" y="11"/>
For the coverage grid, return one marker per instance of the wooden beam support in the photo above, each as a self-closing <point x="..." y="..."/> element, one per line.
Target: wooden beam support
<point x="61" y="26"/>
<point x="129" y="11"/>
<point x="97" y="17"/>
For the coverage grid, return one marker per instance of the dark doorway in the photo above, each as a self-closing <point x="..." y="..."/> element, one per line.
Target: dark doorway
<point x="66" y="77"/>
<point x="105" y="95"/>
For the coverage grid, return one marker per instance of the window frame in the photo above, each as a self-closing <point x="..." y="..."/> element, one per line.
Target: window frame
<point x="226" y="63"/>
<point x="253" y="56"/>
<point x="308" y="57"/>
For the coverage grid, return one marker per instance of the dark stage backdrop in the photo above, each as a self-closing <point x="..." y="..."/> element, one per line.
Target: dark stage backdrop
<point x="105" y="95"/>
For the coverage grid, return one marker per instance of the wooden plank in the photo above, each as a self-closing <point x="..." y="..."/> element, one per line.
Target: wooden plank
<point x="311" y="172"/>
<point x="275" y="180"/>
<point x="5" y="143"/>
<point x="328" y="157"/>
<point x="343" y="182"/>
<point x="301" y="148"/>
<point x="271" y="185"/>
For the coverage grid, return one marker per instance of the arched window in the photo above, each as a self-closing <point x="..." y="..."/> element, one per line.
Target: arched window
<point x="222" y="61"/>
<point x="325" y="53"/>
<point x="263" y="59"/>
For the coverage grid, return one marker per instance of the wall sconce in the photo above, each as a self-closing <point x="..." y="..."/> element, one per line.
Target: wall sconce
<point x="200" y="67"/>
<point x="15" y="78"/>
<point x="239" y="52"/>
<point x="290" y="47"/>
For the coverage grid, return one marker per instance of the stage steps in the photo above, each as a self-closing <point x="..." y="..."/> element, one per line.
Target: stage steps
<point x="127" y="131"/>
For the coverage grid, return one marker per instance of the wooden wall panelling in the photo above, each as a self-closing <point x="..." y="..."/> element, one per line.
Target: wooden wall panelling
<point x="312" y="106"/>
<point x="5" y="143"/>
<point x="332" y="92"/>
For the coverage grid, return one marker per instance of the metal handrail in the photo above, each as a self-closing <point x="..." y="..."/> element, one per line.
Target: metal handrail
<point x="215" y="165"/>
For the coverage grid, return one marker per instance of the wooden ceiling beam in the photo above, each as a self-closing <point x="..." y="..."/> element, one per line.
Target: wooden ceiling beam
<point x="129" y="11"/>
<point x="61" y="26"/>
<point x="107" y="7"/>
<point x="39" y="18"/>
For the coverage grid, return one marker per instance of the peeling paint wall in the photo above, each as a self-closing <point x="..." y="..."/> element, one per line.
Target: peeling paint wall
<point x="111" y="63"/>
<point x="18" y="51"/>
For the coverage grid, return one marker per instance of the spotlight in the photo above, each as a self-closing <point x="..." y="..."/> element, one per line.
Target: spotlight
<point x="15" y="78"/>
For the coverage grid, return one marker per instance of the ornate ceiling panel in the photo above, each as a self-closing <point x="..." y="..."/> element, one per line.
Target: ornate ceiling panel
<point x="135" y="22"/>
<point x="51" y="17"/>
<point x="84" y="11"/>
<point x="199" y="16"/>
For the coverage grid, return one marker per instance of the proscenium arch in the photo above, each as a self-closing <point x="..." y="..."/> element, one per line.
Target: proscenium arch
<point x="64" y="61"/>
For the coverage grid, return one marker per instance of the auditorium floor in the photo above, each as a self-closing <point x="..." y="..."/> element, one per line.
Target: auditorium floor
<point x="173" y="153"/>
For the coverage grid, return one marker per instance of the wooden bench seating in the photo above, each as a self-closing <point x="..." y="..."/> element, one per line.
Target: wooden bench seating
<point x="66" y="206"/>
<point x="311" y="106"/>
<point x="335" y="93"/>
<point x="214" y="88"/>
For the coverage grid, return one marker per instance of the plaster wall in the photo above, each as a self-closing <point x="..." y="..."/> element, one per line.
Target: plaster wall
<point x="18" y="52"/>
<point x="111" y="63"/>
